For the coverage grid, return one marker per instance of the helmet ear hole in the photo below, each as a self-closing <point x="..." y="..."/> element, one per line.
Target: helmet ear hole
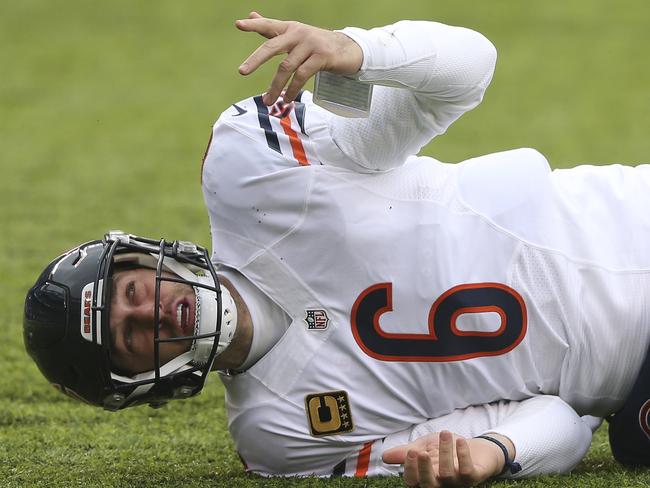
<point x="114" y="401"/>
<point x="184" y="391"/>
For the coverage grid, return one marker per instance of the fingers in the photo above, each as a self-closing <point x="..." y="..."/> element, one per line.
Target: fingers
<point x="436" y="461"/>
<point x="411" y="475"/>
<point x="301" y="62"/>
<point x="308" y="69"/>
<point x="266" y="51"/>
<point x="466" y="471"/>
<point x="268" y="28"/>
<point x="420" y="462"/>
<point x="397" y="454"/>
<point x="308" y="50"/>
<point x="419" y="470"/>
<point x="426" y="473"/>
<point x="291" y="65"/>
<point x="272" y="29"/>
<point x="446" y="469"/>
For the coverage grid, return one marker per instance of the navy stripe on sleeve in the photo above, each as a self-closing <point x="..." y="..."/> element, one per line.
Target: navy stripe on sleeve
<point x="300" y="115"/>
<point x="265" y="123"/>
<point x="339" y="469"/>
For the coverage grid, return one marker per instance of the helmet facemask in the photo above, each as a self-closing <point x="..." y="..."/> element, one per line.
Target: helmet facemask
<point x="181" y="262"/>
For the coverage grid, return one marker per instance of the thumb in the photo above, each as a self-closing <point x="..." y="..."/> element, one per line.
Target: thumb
<point x="395" y="455"/>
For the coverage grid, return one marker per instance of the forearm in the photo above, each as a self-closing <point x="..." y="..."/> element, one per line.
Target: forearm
<point x="547" y="434"/>
<point x="434" y="59"/>
<point x="443" y="72"/>
<point x="543" y="434"/>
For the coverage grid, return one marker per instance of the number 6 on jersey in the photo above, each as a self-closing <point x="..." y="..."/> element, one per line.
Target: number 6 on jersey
<point x="445" y="340"/>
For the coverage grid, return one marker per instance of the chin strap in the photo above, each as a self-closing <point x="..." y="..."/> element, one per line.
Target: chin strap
<point x="206" y="320"/>
<point x="179" y="363"/>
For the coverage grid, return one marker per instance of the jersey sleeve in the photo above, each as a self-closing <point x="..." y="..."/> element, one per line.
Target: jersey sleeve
<point x="548" y="435"/>
<point x="428" y="74"/>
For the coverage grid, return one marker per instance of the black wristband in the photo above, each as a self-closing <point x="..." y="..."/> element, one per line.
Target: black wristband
<point x="510" y="466"/>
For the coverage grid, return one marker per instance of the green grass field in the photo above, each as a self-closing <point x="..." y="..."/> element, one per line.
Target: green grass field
<point x="105" y="110"/>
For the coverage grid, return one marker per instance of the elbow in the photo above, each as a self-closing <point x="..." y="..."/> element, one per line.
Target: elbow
<point x="465" y="61"/>
<point x="484" y="54"/>
<point x="490" y="63"/>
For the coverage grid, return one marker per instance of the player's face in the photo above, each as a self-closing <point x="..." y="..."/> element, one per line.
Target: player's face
<point x="132" y="319"/>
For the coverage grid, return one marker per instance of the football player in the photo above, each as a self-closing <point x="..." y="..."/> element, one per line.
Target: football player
<point x="360" y="298"/>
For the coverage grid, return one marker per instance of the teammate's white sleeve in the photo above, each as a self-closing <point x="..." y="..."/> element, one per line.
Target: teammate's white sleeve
<point x="430" y="74"/>
<point x="548" y="435"/>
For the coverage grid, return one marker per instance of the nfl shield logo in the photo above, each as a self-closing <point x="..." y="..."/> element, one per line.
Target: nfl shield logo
<point x="316" y="319"/>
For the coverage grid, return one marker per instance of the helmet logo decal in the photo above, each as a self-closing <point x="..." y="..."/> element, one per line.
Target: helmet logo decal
<point x="87" y="311"/>
<point x="88" y="300"/>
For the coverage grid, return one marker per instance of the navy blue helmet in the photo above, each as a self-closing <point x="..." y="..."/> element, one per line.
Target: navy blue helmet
<point x="67" y="316"/>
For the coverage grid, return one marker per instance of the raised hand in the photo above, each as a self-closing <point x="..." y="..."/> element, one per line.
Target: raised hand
<point x="309" y="50"/>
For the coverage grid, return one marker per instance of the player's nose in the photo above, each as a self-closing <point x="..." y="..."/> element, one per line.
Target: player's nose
<point x="144" y="315"/>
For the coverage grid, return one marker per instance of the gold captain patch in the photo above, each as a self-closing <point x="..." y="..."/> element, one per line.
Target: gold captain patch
<point x="329" y="413"/>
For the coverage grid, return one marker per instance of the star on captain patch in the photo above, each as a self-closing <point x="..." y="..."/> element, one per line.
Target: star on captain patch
<point x="329" y="413"/>
<point x="316" y="319"/>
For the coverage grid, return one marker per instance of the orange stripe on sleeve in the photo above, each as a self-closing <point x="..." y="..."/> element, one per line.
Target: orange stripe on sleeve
<point x="296" y="144"/>
<point x="363" y="461"/>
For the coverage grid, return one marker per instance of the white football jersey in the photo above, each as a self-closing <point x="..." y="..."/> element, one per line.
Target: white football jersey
<point x="417" y="287"/>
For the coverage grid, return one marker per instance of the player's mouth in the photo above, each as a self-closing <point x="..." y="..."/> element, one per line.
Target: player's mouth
<point x="185" y="317"/>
